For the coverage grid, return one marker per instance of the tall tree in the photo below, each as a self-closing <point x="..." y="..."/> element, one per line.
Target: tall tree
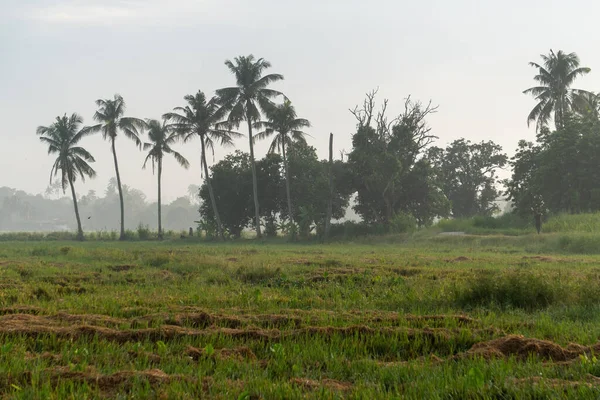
<point x="283" y="120"/>
<point x="110" y="115"/>
<point x="245" y="103"/>
<point x="561" y="168"/>
<point x="554" y="94"/>
<point x="62" y="138"/>
<point x="384" y="155"/>
<point x="201" y="118"/>
<point x="162" y="136"/>
<point x="467" y="173"/>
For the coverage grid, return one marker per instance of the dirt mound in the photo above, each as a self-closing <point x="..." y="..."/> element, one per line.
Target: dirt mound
<point x="111" y="382"/>
<point x="331" y="384"/>
<point x="34" y="326"/>
<point x="200" y="320"/>
<point x="522" y="348"/>
<point x="237" y="353"/>
<point x="461" y="319"/>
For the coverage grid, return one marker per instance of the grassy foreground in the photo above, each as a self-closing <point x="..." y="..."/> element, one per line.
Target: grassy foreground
<point x="447" y="317"/>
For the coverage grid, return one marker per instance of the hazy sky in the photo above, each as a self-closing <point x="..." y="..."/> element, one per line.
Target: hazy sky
<point x="468" y="56"/>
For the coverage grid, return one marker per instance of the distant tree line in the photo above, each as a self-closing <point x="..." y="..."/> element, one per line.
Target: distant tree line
<point x="398" y="177"/>
<point x="52" y="211"/>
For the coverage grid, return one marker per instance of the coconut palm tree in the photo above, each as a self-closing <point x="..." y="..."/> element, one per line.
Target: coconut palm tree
<point x="110" y="115"/>
<point x="201" y="118"/>
<point x="588" y="105"/>
<point x="554" y="93"/>
<point x="246" y="101"/>
<point x="162" y="136"/>
<point x="283" y="120"/>
<point x="62" y="138"/>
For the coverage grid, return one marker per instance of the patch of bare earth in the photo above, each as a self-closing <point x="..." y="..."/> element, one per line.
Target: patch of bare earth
<point x="33" y="326"/>
<point x="522" y="348"/>
<point x="238" y="353"/>
<point x="331" y="384"/>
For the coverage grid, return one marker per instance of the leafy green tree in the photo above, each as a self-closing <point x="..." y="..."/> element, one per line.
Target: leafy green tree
<point x="423" y="197"/>
<point x="589" y="106"/>
<point x="232" y="188"/>
<point x="245" y="103"/>
<point x="62" y="138"/>
<point x="467" y="172"/>
<point x="201" y="118"/>
<point x="162" y="136"/>
<point x="110" y="116"/>
<point x="384" y="154"/>
<point x="554" y="94"/>
<point x="287" y="128"/>
<point x="309" y="186"/>
<point x="270" y="191"/>
<point x="561" y="169"/>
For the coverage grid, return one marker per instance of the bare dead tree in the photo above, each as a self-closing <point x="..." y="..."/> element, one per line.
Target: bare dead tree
<point x="364" y="115"/>
<point x="413" y="119"/>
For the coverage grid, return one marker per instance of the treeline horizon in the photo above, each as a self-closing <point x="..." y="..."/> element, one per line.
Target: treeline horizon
<point x="401" y="180"/>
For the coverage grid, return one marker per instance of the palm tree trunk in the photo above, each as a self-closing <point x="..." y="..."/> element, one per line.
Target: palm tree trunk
<point x="114" y="151"/>
<point x="210" y="191"/>
<point x="160" y="236"/>
<point x="79" y="229"/>
<point x="330" y="200"/>
<point x="287" y="183"/>
<point x="254" y="180"/>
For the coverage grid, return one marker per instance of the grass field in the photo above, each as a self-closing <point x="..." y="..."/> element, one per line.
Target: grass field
<point x="433" y="317"/>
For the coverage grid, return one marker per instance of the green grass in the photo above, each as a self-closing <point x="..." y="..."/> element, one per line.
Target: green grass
<point x="378" y="318"/>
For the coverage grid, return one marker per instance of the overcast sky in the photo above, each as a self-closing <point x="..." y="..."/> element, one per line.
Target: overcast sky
<point x="468" y="56"/>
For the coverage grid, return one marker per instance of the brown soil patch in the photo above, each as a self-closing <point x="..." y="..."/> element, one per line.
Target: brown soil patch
<point x="121" y="268"/>
<point x="432" y="358"/>
<point x="232" y="259"/>
<point x="522" y="348"/>
<point x="55" y="358"/>
<point x="192" y="320"/>
<point x="331" y="384"/>
<point x="237" y="353"/>
<point x="33" y="326"/>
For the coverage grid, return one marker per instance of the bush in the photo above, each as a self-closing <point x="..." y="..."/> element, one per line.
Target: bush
<point x="579" y="243"/>
<point x="511" y="289"/>
<point x="130" y="235"/>
<point x="143" y="232"/>
<point x="351" y="230"/>
<point x="507" y="224"/>
<point x="585" y="223"/>
<point x="403" y="223"/>
<point x="158" y="260"/>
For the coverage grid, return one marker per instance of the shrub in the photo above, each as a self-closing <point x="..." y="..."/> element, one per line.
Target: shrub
<point x="511" y="289"/>
<point x="143" y="232"/>
<point x="158" y="260"/>
<point x="130" y="235"/>
<point x="403" y="223"/>
<point x="257" y="275"/>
